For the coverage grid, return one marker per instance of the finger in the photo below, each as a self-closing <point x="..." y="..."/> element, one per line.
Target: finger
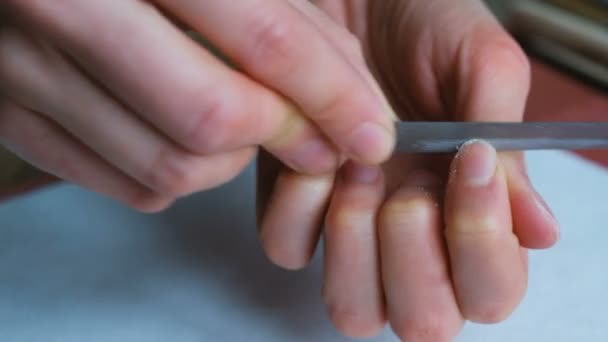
<point x="31" y="72"/>
<point x="352" y="288"/>
<point x="488" y="271"/>
<point x="494" y="82"/>
<point x="265" y="39"/>
<point x="176" y="85"/>
<point x="415" y="267"/>
<point x="291" y="224"/>
<point x="343" y="40"/>
<point x="533" y="222"/>
<point x="49" y="148"/>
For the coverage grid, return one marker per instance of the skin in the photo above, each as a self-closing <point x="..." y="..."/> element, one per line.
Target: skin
<point x="119" y="88"/>
<point x="423" y="242"/>
<point x="131" y="107"/>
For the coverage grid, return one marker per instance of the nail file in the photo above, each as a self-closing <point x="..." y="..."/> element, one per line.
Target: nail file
<point x="442" y="137"/>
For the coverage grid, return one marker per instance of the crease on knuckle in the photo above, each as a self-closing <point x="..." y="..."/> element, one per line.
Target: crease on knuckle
<point x="170" y="173"/>
<point x="466" y="225"/>
<point x="412" y="210"/>
<point x="340" y="223"/>
<point x="273" y="44"/>
<point x="211" y="123"/>
<point x="343" y="100"/>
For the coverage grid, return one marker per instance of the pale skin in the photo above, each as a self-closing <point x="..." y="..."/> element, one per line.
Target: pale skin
<point x="425" y="242"/>
<point x="134" y="109"/>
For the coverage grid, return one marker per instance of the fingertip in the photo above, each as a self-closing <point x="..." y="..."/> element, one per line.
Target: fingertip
<point x="356" y="324"/>
<point x="475" y="164"/>
<point x="152" y="205"/>
<point x="282" y="255"/>
<point x="371" y="143"/>
<point x="291" y="223"/>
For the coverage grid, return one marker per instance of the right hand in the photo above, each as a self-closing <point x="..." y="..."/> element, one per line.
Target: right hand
<point x="114" y="96"/>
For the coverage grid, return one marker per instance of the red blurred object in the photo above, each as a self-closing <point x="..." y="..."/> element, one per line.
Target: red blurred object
<point x="555" y="96"/>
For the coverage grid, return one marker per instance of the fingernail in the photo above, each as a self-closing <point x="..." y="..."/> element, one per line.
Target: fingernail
<point x="370" y="143"/>
<point x="544" y="207"/>
<point x="476" y="163"/>
<point x="541" y="204"/>
<point x="314" y="156"/>
<point x="362" y="174"/>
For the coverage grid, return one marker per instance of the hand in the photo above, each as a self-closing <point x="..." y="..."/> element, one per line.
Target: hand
<point x="430" y="241"/>
<point x="114" y="96"/>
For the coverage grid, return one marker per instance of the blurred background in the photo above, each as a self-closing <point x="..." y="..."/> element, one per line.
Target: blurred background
<point x="567" y="39"/>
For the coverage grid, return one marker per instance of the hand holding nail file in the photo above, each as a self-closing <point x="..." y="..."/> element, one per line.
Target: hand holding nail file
<point x="429" y="137"/>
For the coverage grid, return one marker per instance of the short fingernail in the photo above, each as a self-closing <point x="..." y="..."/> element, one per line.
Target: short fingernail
<point x="314" y="156"/>
<point x="362" y="174"/>
<point x="541" y="204"/>
<point x="370" y="143"/>
<point x="476" y="163"/>
<point x="544" y="207"/>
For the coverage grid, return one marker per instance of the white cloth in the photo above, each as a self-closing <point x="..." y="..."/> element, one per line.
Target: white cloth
<point x="77" y="267"/>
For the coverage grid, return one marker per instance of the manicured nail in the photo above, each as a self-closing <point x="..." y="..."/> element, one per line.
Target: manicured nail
<point x="362" y="174"/>
<point x="370" y="143"/>
<point x="314" y="156"/>
<point x="476" y="163"/>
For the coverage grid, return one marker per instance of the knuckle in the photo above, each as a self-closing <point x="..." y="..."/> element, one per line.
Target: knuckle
<point x="346" y="222"/>
<point x="502" y="57"/>
<point x="210" y="125"/>
<point x="170" y="174"/>
<point x="347" y="99"/>
<point x="407" y="210"/>
<point x="273" y="43"/>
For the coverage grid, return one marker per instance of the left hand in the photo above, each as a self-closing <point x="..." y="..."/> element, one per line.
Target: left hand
<point x="394" y="248"/>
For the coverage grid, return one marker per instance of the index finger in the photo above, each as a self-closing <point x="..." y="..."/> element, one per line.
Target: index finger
<point x="277" y="45"/>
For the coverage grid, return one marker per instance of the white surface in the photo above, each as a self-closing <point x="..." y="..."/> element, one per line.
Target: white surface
<point x="77" y="267"/>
